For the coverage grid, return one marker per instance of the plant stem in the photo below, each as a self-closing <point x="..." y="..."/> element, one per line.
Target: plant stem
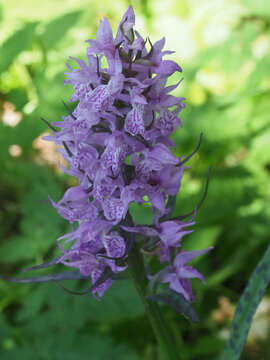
<point x="162" y="332"/>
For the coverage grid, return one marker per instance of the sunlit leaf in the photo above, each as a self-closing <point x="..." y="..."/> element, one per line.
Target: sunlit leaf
<point x="259" y="7"/>
<point x="56" y="29"/>
<point x="1" y="13"/>
<point x="14" y="45"/>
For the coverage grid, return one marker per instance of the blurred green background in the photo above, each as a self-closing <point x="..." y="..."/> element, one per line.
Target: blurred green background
<point x="224" y="49"/>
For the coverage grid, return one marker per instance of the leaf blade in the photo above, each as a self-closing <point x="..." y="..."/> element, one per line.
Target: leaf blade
<point x="15" y="44"/>
<point x="57" y="28"/>
<point x="177" y="302"/>
<point x="247" y="307"/>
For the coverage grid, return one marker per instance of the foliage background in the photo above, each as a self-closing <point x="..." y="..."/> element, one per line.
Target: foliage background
<point x="224" y="49"/>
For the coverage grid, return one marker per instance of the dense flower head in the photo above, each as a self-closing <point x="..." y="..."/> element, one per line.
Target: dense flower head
<point x="117" y="145"/>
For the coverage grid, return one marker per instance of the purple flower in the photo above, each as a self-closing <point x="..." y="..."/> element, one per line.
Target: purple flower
<point x="115" y="247"/>
<point x="114" y="209"/>
<point x="104" y="42"/>
<point x="179" y="274"/>
<point x="75" y="206"/>
<point x="100" y="289"/>
<point x="169" y="232"/>
<point x="116" y="143"/>
<point x="125" y="29"/>
<point x="134" y="123"/>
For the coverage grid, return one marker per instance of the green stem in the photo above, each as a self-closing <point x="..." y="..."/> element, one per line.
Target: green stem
<point x="163" y="334"/>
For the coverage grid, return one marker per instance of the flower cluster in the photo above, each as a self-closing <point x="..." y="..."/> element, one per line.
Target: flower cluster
<point x="117" y="144"/>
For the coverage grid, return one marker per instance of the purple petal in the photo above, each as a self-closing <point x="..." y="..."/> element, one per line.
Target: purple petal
<point x="172" y="231"/>
<point x="163" y="154"/>
<point x="188" y="272"/>
<point x="159" y="45"/>
<point x="158" y="201"/>
<point x="185" y="256"/>
<point x="115" y="245"/>
<point x="100" y="289"/>
<point x="104" y="33"/>
<point x="127" y="22"/>
<point x="113" y="209"/>
<point x="167" y="68"/>
<point x="171" y="87"/>
<point x="134" y="123"/>
<point x="176" y="285"/>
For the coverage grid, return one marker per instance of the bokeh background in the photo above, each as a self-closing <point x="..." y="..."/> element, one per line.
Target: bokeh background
<point x="224" y="49"/>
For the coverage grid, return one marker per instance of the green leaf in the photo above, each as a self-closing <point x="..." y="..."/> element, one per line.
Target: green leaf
<point x="203" y="238"/>
<point x="142" y="214"/>
<point x="120" y="302"/>
<point x="259" y="7"/>
<point x="22" y="353"/>
<point x="246" y="308"/>
<point x="57" y="28"/>
<point x="41" y="225"/>
<point x="1" y="13"/>
<point x="100" y="348"/>
<point x="206" y="345"/>
<point x="177" y="302"/>
<point x="15" y="44"/>
<point x="18" y="97"/>
<point x="183" y="9"/>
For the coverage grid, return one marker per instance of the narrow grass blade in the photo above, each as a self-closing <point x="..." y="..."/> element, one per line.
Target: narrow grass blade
<point x="247" y="307"/>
